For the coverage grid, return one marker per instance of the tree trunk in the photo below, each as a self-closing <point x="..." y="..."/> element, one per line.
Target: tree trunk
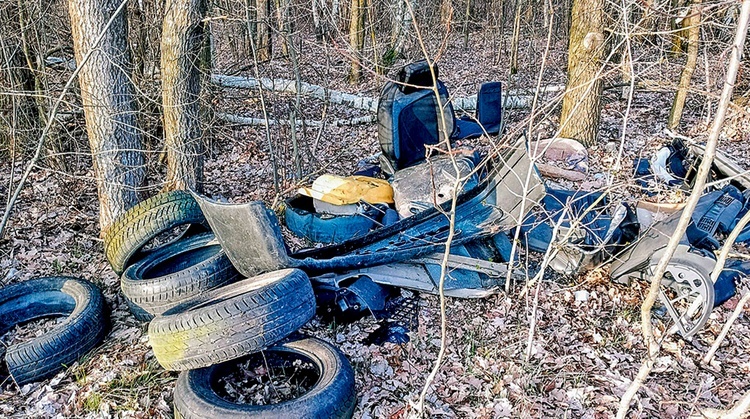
<point x="357" y="38"/>
<point x="108" y="105"/>
<point x="317" y="23"/>
<point x="581" y="107"/>
<point x="514" y="40"/>
<point x="692" y="22"/>
<point x="467" y="21"/>
<point x="676" y="24"/>
<point x="446" y="12"/>
<point x="181" y="47"/>
<point x="648" y="20"/>
<point x="401" y="26"/>
<point x="284" y="24"/>
<point x="23" y="117"/>
<point x="263" y="47"/>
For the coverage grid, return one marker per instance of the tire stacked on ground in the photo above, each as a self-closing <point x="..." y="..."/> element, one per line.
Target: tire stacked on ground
<point x="204" y="319"/>
<point x="209" y="335"/>
<point x="155" y="280"/>
<point x="85" y="325"/>
<point x="332" y="396"/>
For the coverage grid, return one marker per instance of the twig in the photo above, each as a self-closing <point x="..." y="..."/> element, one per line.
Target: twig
<point x="700" y="181"/>
<point x="739" y="410"/>
<point x="548" y="256"/>
<point x="735" y="314"/>
<point x="451" y="229"/>
<point x="271" y="151"/>
<point x="51" y="119"/>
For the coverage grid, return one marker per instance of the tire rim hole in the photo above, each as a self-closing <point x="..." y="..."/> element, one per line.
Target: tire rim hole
<point x="265" y="378"/>
<point x="181" y="261"/>
<point x="168" y="237"/>
<point x="26" y="331"/>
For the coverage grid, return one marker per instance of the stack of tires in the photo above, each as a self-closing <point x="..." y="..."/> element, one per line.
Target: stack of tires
<point x="206" y="320"/>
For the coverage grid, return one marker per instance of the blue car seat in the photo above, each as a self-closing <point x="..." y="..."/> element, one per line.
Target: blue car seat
<point x="409" y="115"/>
<point x="489" y="115"/>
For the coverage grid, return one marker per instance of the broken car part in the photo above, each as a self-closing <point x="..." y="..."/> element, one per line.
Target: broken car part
<point x="402" y="317"/>
<point x="715" y="214"/>
<point x="350" y="190"/>
<point x="466" y="276"/>
<point x="349" y="298"/>
<point x="251" y="237"/>
<point x="431" y="183"/>
<point x="85" y="325"/>
<point x="587" y="235"/>
<point x="304" y="362"/>
<point x="304" y="221"/>
<point x="489" y="114"/>
<point x="567" y="150"/>
<point x="725" y="166"/>
<point x="232" y="321"/>
<point x="687" y="290"/>
<point x="410" y="116"/>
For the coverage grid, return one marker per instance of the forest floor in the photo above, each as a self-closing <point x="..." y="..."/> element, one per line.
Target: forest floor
<point x="584" y="353"/>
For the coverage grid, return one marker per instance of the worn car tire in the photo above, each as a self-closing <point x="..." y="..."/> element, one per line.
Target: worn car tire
<point x="332" y="396"/>
<point x="232" y="321"/>
<point x="176" y="273"/>
<point x="45" y="355"/>
<point x="138" y="313"/>
<point x="127" y="235"/>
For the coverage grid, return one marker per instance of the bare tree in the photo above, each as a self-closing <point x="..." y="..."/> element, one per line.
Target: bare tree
<point x="262" y="33"/>
<point x="181" y="45"/>
<point x="581" y="107"/>
<point x="23" y="121"/>
<point x="357" y="38"/>
<point x="692" y="22"/>
<point x="109" y="105"/>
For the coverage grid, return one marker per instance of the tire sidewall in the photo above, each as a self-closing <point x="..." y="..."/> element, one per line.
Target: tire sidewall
<point x="194" y="392"/>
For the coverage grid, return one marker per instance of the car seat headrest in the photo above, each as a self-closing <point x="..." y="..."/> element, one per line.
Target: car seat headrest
<point x="416" y="74"/>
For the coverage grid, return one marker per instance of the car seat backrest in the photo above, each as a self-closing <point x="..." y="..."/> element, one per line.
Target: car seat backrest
<point x="409" y="116"/>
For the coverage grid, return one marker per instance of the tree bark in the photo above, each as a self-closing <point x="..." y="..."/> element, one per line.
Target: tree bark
<point x="284" y="24"/>
<point x="357" y="38"/>
<point x="181" y="47"/>
<point x="467" y="21"/>
<point x="692" y="22"/>
<point x="107" y="96"/>
<point x="401" y="25"/>
<point x="581" y="107"/>
<point x="515" y="39"/>
<point x="23" y="116"/>
<point x="263" y="47"/>
<point x="446" y="12"/>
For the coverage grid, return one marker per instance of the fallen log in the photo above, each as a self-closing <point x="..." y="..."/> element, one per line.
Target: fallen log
<point x="290" y="86"/>
<point x="248" y="121"/>
<point x="517" y="99"/>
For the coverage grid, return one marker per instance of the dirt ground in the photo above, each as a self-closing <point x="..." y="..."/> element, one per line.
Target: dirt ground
<point x="584" y="353"/>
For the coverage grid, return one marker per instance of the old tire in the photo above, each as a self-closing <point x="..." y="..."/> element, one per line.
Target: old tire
<point x="171" y="275"/>
<point x="134" y="229"/>
<point x="332" y="396"/>
<point x="138" y="313"/>
<point x="232" y="321"/>
<point x="46" y="355"/>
